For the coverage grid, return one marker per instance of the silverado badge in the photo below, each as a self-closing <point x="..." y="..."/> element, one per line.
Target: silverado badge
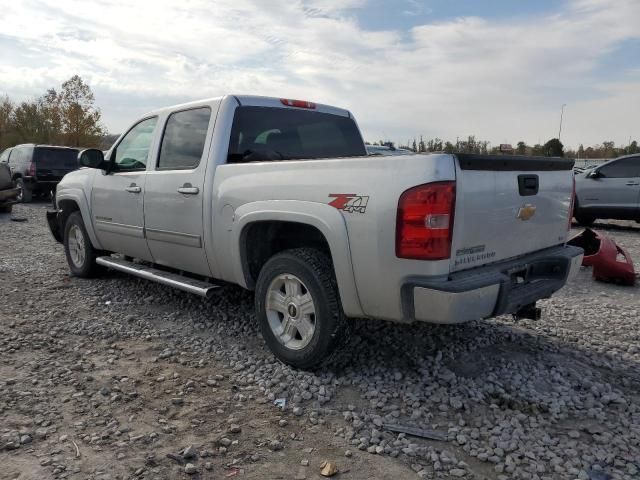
<point x="526" y="212"/>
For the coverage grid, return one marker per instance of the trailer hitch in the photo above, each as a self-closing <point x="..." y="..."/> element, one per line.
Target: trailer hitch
<point x="530" y="312"/>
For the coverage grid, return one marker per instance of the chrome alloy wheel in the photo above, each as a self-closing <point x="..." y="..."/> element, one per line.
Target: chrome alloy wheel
<point x="290" y="311"/>
<point x="76" y="246"/>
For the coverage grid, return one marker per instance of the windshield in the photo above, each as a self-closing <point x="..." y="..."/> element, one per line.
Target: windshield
<point x="56" y="158"/>
<point x="268" y="133"/>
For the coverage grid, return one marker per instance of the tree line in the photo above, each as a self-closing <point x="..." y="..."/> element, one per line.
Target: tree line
<point x="553" y="147"/>
<point x="67" y="116"/>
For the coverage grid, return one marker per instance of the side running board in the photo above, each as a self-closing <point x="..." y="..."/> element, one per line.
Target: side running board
<point x="204" y="289"/>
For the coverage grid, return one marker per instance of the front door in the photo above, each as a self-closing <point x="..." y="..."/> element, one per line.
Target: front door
<point x="118" y="196"/>
<point x="173" y="202"/>
<point x="615" y="189"/>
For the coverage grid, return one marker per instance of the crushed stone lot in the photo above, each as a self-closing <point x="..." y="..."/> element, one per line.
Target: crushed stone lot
<point x="119" y="378"/>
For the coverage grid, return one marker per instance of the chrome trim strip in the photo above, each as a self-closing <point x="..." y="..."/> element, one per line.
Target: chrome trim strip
<point x="177" y="238"/>
<point x="120" y="228"/>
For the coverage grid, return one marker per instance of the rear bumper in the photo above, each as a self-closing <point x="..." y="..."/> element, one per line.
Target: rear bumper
<point x="498" y="289"/>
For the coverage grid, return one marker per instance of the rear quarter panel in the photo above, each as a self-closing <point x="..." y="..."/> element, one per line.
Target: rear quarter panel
<point x="376" y="182"/>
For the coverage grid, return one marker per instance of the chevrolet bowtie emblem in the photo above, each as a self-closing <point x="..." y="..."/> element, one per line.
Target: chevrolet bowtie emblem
<point x="526" y="212"/>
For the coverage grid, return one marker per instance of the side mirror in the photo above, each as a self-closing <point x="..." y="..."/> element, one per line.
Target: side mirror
<point x="92" y="158"/>
<point x="594" y="174"/>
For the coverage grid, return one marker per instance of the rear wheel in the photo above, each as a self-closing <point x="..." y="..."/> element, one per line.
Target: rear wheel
<point x="81" y="256"/>
<point x="298" y="308"/>
<point x="25" y="193"/>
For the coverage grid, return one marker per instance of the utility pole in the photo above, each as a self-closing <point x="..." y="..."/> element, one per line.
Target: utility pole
<point x="561" y="114"/>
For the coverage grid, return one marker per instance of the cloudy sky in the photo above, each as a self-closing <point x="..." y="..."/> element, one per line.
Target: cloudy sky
<point x="499" y="69"/>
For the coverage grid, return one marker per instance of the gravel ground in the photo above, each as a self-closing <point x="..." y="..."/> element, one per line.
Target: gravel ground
<point x="102" y="379"/>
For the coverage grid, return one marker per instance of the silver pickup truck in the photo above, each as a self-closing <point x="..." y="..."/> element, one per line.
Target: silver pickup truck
<point x="278" y="196"/>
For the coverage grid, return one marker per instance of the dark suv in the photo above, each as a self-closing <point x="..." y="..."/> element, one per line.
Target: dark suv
<point x="37" y="169"/>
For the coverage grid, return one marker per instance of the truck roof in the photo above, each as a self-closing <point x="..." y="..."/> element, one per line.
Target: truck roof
<point x="250" y="100"/>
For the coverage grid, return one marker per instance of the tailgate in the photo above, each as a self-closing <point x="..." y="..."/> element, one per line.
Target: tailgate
<point x="507" y="206"/>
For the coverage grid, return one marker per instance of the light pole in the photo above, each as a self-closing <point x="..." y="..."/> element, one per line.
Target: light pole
<point x="561" y="114"/>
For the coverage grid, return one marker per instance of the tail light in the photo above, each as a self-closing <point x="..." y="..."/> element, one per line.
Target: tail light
<point x="297" y="103"/>
<point x="424" y="221"/>
<point x="32" y="169"/>
<point x="572" y="203"/>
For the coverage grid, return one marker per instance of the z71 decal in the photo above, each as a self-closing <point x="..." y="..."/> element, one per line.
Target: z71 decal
<point x="349" y="202"/>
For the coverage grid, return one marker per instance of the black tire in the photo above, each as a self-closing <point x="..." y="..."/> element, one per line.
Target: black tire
<point x="314" y="269"/>
<point x="6" y="209"/>
<point x="584" y="220"/>
<point x="26" y="194"/>
<point x="88" y="267"/>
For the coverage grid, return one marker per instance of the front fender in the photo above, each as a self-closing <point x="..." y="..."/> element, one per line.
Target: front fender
<point x="325" y="218"/>
<point x="78" y="196"/>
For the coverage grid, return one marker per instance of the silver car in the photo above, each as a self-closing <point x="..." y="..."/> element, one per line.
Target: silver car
<point x="611" y="190"/>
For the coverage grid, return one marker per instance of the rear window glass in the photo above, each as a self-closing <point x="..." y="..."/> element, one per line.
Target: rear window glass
<point x="268" y="133"/>
<point x="59" y="158"/>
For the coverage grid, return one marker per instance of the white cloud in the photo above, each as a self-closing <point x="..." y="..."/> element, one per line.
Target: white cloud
<point x="501" y="80"/>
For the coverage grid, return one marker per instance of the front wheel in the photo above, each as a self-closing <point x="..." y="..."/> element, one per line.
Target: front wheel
<point x="298" y="308"/>
<point x="81" y="256"/>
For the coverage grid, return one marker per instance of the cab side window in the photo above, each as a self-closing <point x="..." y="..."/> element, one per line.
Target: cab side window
<point x="133" y="150"/>
<point x="624" y="168"/>
<point x="18" y="156"/>
<point x="184" y="138"/>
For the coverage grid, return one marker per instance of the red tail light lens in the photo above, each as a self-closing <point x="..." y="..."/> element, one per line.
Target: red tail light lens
<point x="32" y="169"/>
<point x="297" y="103"/>
<point x="425" y="221"/>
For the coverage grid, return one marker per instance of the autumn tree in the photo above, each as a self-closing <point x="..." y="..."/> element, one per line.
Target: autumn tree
<point x="67" y="117"/>
<point x="521" y="148"/>
<point x="79" y="116"/>
<point x="6" y="122"/>
<point x="30" y="123"/>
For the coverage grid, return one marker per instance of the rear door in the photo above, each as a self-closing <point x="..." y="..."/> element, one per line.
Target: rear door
<point x="173" y="204"/>
<point x="614" y="191"/>
<point x="508" y="206"/>
<point x="118" y="197"/>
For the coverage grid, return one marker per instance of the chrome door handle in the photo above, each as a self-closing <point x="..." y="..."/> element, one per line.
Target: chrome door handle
<point x="133" y="189"/>
<point x="189" y="190"/>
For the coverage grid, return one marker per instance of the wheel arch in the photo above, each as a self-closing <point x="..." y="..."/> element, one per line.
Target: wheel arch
<point x="71" y="201"/>
<point x="293" y="224"/>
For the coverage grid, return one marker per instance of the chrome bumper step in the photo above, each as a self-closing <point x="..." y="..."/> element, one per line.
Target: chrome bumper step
<point x="198" y="287"/>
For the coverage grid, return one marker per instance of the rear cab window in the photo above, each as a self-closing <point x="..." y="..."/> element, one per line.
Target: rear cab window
<point x="263" y="134"/>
